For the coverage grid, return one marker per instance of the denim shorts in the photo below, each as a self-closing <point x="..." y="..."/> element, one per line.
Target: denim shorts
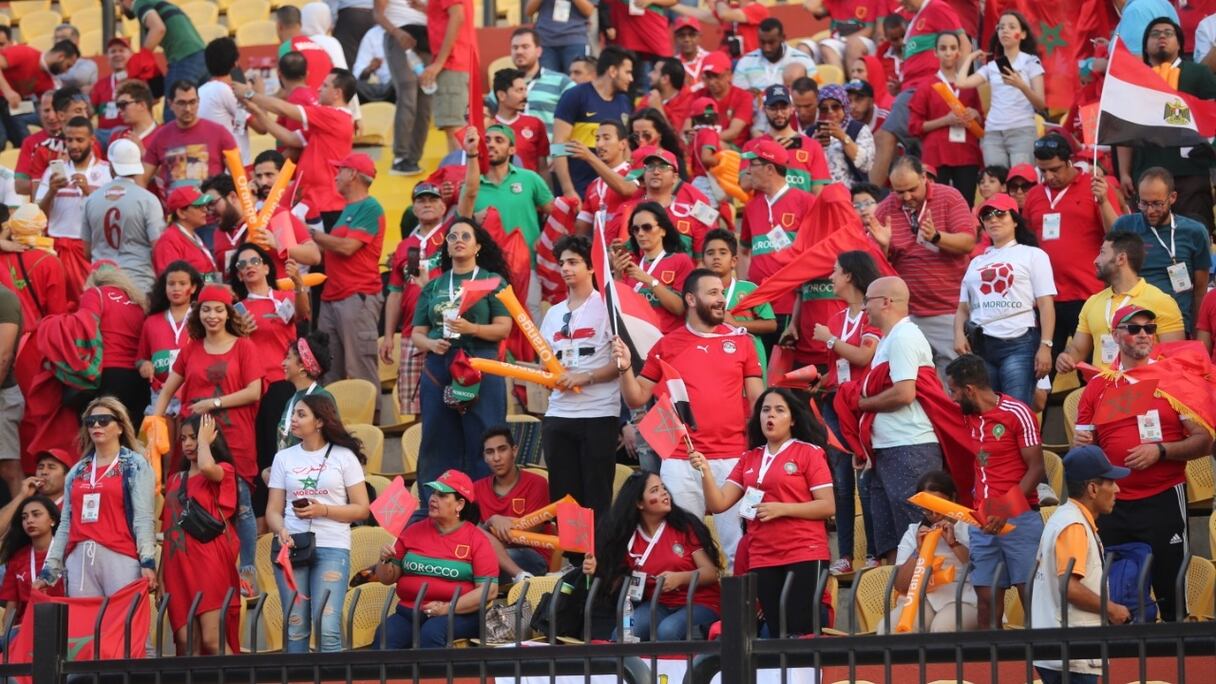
<point x="1017" y="549"/>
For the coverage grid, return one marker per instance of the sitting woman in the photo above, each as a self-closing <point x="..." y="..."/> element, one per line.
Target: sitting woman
<point x="447" y="551"/>
<point x="23" y="552"/>
<point x="952" y="547"/>
<point x="647" y="537"/>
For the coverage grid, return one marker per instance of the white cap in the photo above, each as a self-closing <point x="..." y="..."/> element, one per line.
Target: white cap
<point x="125" y="158"/>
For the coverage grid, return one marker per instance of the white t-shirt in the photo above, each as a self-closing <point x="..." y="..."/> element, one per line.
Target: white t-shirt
<point x="400" y="13"/>
<point x="905" y="349"/>
<point x="1010" y="108"/>
<point x="941" y="596"/>
<point x="1001" y="286"/>
<point x="67" y="212"/>
<point x="217" y="103"/>
<point x="8" y="189"/>
<point x="583" y="341"/>
<point x="309" y="475"/>
<point x="1205" y="37"/>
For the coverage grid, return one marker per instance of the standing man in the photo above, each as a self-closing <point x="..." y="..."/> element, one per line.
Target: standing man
<point x="1177" y="249"/>
<point x="288" y="24"/>
<point x="545" y="86"/>
<point x="667" y="92"/>
<point x="518" y="194"/>
<point x="104" y="94"/>
<point x="764" y="66"/>
<point x="532" y="139"/>
<point x="352" y="19"/>
<point x="122" y="220"/>
<point x="1155" y="444"/>
<point x="189" y="151"/>
<point x="134" y="102"/>
<point x="12" y="402"/>
<point x="166" y="26"/>
<point x="927" y="232"/>
<point x="581" y="109"/>
<point x="687" y="32"/>
<point x="351" y="300"/>
<point x="733" y="104"/>
<point x="83" y="72"/>
<point x="405" y="29"/>
<point x="719" y="367"/>
<point x="449" y="70"/>
<point x="808" y="166"/>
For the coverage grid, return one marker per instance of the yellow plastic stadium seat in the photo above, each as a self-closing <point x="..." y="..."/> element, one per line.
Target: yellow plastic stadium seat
<point x="373" y="444"/>
<point x="85" y="19"/>
<point x="1212" y="535"/>
<point x="859" y="539"/>
<point x="821" y="35"/>
<point x="500" y="63"/>
<point x="1047" y="511"/>
<point x="379" y="483"/>
<point x="90" y="43"/>
<point x="22" y="8"/>
<point x="377" y="129"/>
<point x="295" y="3"/>
<point x="365" y="545"/>
<point x="130" y="29"/>
<point x="41" y="42"/>
<point x="263" y="564"/>
<point x="256" y="33"/>
<point x="828" y="73"/>
<point x="247" y="12"/>
<point x="209" y="32"/>
<point x="411" y="444"/>
<point x="6" y="20"/>
<point x="1200" y="588"/>
<point x="618" y="480"/>
<point x="258" y="142"/>
<point x="1015" y="617"/>
<point x="537" y="470"/>
<point x="1199" y="482"/>
<point x="70" y="9"/>
<point x="388" y="371"/>
<point x="8" y="158"/>
<point x="39" y="23"/>
<point x="1071" y="402"/>
<point x="870" y="608"/>
<point x="369" y="611"/>
<point x="270" y="632"/>
<point x="1055" y="472"/>
<point x="537" y="587"/>
<point x="201" y="12"/>
<point x="356" y="400"/>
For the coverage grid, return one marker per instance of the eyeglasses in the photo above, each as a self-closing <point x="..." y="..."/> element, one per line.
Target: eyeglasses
<point x="251" y="261"/>
<point x="642" y="228"/>
<point x="1137" y="328"/>
<point x="460" y="237"/>
<point x="1156" y="204"/>
<point x="864" y="204"/>
<point x="990" y="213"/>
<point x="827" y="107"/>
<point x="1162" y="33"/>
<point x="657" y="165"/>
<point x="99" y="420"/>
<point x="1051" y="147"/>
<point x="122" y="104"/>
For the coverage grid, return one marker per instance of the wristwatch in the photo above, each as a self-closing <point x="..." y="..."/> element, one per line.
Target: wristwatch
<point x="216" y="402"/>
<point x="1047" y="343"/>
<point x="831" y="342"/>
<point x="937" y="237"/>
<point x="248" y="94"/>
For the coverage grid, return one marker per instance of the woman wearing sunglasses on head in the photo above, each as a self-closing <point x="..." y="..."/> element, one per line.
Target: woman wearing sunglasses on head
<point x="458" y="405"/>
<point x="654" y="262"/>
<point x="106" y="537"/>
<point x="848" y="144"/>
<point x="1000" y="292"/>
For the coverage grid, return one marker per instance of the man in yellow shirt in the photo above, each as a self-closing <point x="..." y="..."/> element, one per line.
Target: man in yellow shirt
<point x="1118" y="265"/>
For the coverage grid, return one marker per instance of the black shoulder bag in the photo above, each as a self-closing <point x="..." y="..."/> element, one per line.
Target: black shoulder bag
<point x="303" y="552"/>
<point x="196" y="520"/>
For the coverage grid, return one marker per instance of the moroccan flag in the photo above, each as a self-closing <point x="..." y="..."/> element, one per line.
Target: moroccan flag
<point x="1008" y="506"/>
<point x="1185" y="378"/>
<point x="576" y="528"/>
<point x="394" y="507"/>
<point x="662" y="429"/>
<point x="1127" y="400"/>
<point x="677" y="391"/>
<point x="82" y="619"/>
<point x="1138" y="107"/>
<point x="631" y="316"/>
<point x="474" y="291"/>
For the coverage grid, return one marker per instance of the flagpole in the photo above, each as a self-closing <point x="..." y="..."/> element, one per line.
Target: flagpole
<point x="1110" y="53"/>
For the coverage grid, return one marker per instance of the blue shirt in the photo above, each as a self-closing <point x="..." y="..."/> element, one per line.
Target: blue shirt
<point x="1136" y="17"/>
<point x="584" y="109"/>
<point x="1191" y="245"/>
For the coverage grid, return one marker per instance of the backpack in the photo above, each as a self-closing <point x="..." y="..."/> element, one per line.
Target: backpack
<point x="571" y="598"/>
<point x="1124" y="577"/>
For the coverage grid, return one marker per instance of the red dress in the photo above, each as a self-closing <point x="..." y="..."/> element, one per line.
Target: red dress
<point x="207" y="376"/>
<point x="190" y="566"/>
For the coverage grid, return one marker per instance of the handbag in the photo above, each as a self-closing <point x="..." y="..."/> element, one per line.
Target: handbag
<point x="974" y="332"/>
<point x="500" y="622"/>
<point x="303" y="552"/>
<point x="195" y="520"/>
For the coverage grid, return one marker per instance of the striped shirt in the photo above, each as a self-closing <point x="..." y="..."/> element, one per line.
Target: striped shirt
<point x="1002" y="433"/>
<point x="543" y="93"/>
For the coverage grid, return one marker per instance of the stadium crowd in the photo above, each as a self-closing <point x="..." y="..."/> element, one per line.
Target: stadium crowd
<point x="868" y="259"/>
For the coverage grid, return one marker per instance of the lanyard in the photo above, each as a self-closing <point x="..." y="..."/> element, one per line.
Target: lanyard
<point x="949" y="84"/>
<point x="1173" y="233"/>
<point x="452" y="279"/>
<point x="766" y="461"/>
<point x="177" y="329"/>
<point x="196" y="240"/>
<point x="93" y="471"/>
<point x="850" y="326"/>
<point x="268" y="298"/>
<point x="770" y="201"/>
<point x="653" y="265"/>
<point x="639" y="561"/>
<point x="426" y="239"/>
<point x="1053" y="201"/>
<point x="1126" y="298"/>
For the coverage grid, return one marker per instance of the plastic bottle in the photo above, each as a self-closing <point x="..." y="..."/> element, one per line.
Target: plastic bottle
<point x="418" y="67"/>
<point x="629" y="637"/>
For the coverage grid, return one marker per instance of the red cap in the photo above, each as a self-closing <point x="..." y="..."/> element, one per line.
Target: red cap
<point x="686" y="22"/>
<point x="119" y="40"/>
<point x="700" y="105"/>
<point x="62" y="455"/>
<point x="454" y="482"/>
<point x="716" y="63"/>
<point x="1024" y="171"/>
<point x="769" y="151"/>
<point x="358" y="161"/>
<point x="1128" y="311"/>
<point x="648" y="152"/>
<point x="999" y="201"/>
<point x="215" y="293"/>
<point x="187" y="196"/>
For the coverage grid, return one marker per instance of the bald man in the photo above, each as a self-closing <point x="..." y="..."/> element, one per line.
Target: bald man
<point x="903" y="443"/>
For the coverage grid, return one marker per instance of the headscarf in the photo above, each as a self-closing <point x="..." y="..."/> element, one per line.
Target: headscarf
<point x="316" y="19"/>
<point x="26" y="226"/>
<point x="834" y="91"/>
<point x="876" y="76"/>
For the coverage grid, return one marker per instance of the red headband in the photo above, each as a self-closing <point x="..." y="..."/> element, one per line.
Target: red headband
<point x="215" y="293"/>
<point x="307" y="359"/>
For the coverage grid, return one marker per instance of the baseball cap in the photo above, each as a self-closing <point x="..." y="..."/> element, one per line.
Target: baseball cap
<point x="860" y="87"/>
<point x="125" y="158"/>
<point x="358" y="161"/>
<point x="1089" y="462"/>
<point x="716" y="63"/>
<point x="1024" y="171"/>
<point x="769" y="151"/>
<point x="119" y="40"/>
<point x="61" y="455"/>
<point x="701" y="105"/>
<point x="686" y="23"/>
<point x="999" y="201"/>
<point x="1126" y="312"/>
<point x="454" y="482"/>
<point x="776" y="94"/>
<point x="187" y="196"/>
<point x="427" y="189"/>
<point x="651" y="152"/>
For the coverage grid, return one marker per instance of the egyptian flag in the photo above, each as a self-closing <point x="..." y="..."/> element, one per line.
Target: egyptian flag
<point x="631" y="316"/>
<point x="677" y="392"/>
<point x="1138" y="106"/>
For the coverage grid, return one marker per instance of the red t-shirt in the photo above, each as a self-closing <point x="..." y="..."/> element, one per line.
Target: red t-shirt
<point x="676" y="109"/>
<point x="797" y="470"/>
<point x="749" y="30"/>
<point x="24" y="71"/>
<point x="761" y="216"/>
<point x="188" y="156"/>
<point x="103" y="99"/>
<point x="927" y="105"/>
<point x="109" y="527"/>
<point x="670" y="551"/>
<point x="461" y="558"/>
<point x="645" y="33"/>
<point x="25" y="159"/>
<point x="736" y="104"/>
<point x="704" y="138"/>
<point x="120" y="322"/>
<point x="22" y="569"/>
<point x="208" y="376"/>
<point x="599" y="196"/>
<point x="329" y="132"/>
<point x="1117" y="439"/>
<point x="1002" y="433"/>
<point x="302" y="96"/>
<point x="671" y="270"/>
<point x="273" y="334"/>
<point x="46" y="282"/>
<point x="159" y="344"/>
<point x="531" y="140"/>
<point x="358" y="273"/>
<point x="176" y="244"/>
<point x="808" y="158"/>
<point x="437" y="19"/>
<point x="919" y="58"/>
<point x="1207" y="317"/>
<point x="531" y="491"/>
<point x="1080" y="235"/>
<point x="714" y="368"/>
<point x="681" y="211"/>
<point x="319" y="63"/>
<point x="849" y="331"/>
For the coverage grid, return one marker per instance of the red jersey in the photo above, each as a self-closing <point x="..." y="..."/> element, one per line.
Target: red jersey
<point x="319" y="63"/>
<point x="22" y="569"/>
<point x="927" y="105"/>
<point x="736" y="104"/>
<point x="683" y="211"/>
<point x="274" y="315"/>
<point x="330" y="133"/>
<point x="531" y="140"/>
<point x="25" y="158"/>
<point x="714" y="367"/>
<point x="748" y="30"/>
<point x="671" y="270"/>
<point x="852" y="331"/>
<point x="1075" y="240"/>
<point x="919" y="59"/>
<point x="24" y="71"/>
<point x="1117" y="439"/>
<point x="770" y="225"/>
<point x="188" y="156"/>
<point x="531" y="491"/>
<point x="676" y="108"/>
<point x="601" y="197"/>
<point x="160" y="340"/>
<point x="646" y="32"/>
<point x="461" y="558"/>
<point x="106" y="514"/>
<point x="1002" y="433"/>
<point x="358" y="273"/>
<point x="43" y="292"/>
<point x="437" y="18"/>
<point x="105" y="102"/>
<point x="178" y="244"/>
<point x="207" y="376"/>
<point x="789" y="476"/>
<point x="301" y="96"/>
<point x="120" y="322"/>
<point x="670" y="550"/>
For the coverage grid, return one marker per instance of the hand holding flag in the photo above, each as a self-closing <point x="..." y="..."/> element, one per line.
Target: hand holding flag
<point x="662" y="428"/>
<point x="576" y="528"/>
<point x="474" y="291"/>
<point x="394" y="507"/>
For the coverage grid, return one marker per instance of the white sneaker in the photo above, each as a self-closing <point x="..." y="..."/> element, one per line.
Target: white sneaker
<point x="842" y="566"/>
<point x="523" y="575"/>
<point x="1047" y="495"/>
<point x="871" y="562"/>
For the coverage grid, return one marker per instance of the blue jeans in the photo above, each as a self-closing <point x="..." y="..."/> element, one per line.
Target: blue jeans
<point x="246" y="524"/>
<point x="844" y="478"/>
<point x="559" y="57"/>
<point x="673" y="622"/>
<point x="528" y="559"/>
<point x="192" y="68"/>
<point x="1011" y="364"/>
<point x="432" y="631"/>
<point x="329" y="572"/>
<point x="451" y="439"/>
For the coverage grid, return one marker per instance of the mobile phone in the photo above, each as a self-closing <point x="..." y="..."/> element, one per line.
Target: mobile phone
<point x="412" y="256"/>
<point x="1002" y="64"/>
<point x="240" y="308"/>
<point x="300" y="503"/>
<point x="59" y="168"/>
<point x="559" y="150"/>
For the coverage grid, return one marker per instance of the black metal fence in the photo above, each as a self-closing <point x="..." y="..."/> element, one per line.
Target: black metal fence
<point x="1186" y="648"/>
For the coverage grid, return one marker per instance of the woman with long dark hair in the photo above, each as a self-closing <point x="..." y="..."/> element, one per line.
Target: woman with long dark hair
<point x="946" y="141"/>
<point x="1000" y="292"/>
<point x="648" y="126"/>
<point x="306" y="361"/>
<point x="785" y="487"/>
<point x="161" y="338"/>
<point x="646" y="536"/>
<point x="316" y="492"/>
<point x="445" y="551"/>
<point x="24" y="551"/>
<point x="456" y="413"/>
<point x="656" y="263"/>
<point x="206" y="482"/>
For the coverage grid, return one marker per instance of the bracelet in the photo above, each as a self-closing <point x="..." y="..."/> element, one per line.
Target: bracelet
<point x="1161" y="450"/>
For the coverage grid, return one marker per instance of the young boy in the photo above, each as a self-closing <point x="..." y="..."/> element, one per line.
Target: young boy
<point x="720" y="255"/>
<point x="706" y="140"/>
<point x="508" y="493"/>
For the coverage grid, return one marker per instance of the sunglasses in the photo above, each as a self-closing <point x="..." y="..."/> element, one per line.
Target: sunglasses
<point x="1051" y="147"/>
<point x="122" y="104"/>
<point x="642" y="228"/>
<point x="989" y="213"/>
<point x="826" y="107"/>
<point x="104" y="420"/>
<point x="251" y="261"/>
<point x="1137" y="328"/>
<point x="460" y="237"/>
<point x="1019" y="187"/>
<point x="566" y="325"/>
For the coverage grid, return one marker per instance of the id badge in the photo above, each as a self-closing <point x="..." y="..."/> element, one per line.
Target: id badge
<point x="1051" y="226"/>
<point x="844" y="372"/>
<point x="561" y="11"/>
<point x="450" y="314"/>
<point x="286" y="310"/>
<point x="110" y="111"/>
<point x="1149" y="424"/>
<point x="926" y="244"/>
<point x="1109" y="349"/>
<point x="173" y="357"/>
<point x="1180" y="278"/>
<point x="751" y="498"/>
<point x="778" y="238"/>
<point x="637" y="585"/>
<point x="636" y="9"/>
<point x="958" y="134"/>
<point x="705" y="213"/>
<point x="90" y="510"/>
